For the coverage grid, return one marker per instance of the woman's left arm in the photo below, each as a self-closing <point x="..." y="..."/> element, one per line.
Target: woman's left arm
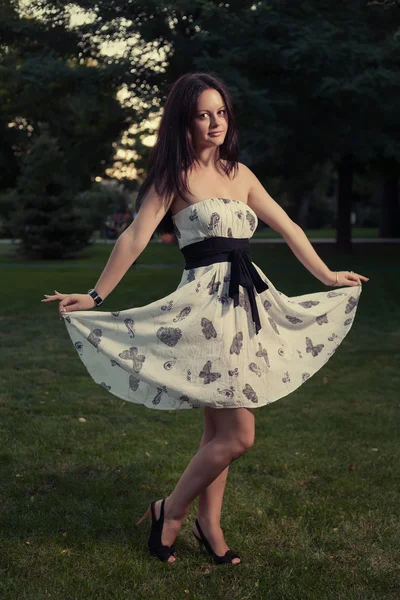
<point x="275" y="216"/>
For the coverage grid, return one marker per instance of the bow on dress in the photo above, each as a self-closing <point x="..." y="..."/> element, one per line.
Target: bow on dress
<point x="245" y="274"/>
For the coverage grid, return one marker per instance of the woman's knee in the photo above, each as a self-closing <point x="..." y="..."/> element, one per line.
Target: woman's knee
<point x="243" y="443"/>
<point x="236" y="427"/>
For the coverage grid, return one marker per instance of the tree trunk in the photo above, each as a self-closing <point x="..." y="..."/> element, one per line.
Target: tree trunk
<point x="345" y="170"/>
<point x="390" y="212"/>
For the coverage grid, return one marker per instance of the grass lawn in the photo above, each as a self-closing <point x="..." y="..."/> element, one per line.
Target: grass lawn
<point x="312" y="509"/>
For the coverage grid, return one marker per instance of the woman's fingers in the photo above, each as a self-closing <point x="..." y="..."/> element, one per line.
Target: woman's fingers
<point x="356" y="277"/>
<point x="52" y="297"/>
<point x="62" y="307"/>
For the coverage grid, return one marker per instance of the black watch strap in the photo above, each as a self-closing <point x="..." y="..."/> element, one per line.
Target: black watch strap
<point x="98" y="300"/>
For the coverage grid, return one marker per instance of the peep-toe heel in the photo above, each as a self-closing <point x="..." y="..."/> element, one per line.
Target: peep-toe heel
<point x="154" y="542"/>
<point x="203" y="541"/>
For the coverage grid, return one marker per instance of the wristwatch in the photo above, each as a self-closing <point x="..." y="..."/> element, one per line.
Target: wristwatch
<point x="98" y="300"/>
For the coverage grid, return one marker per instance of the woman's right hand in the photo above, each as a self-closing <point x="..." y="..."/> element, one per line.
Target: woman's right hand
<point x="70" y="302"/>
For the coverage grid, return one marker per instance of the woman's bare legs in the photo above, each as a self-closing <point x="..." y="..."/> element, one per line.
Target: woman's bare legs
<point x="211" y="497"/>
<point x="234" y="435"/>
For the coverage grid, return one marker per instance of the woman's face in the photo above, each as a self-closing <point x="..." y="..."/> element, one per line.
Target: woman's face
<point x="210" y="119"/>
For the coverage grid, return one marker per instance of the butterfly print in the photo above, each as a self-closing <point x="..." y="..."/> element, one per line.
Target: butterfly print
<point x="169" y="335"/>
<point x="225" y="300"/>
<point x="255" y="369"/>
<point x="251" y="219"/>
<point x="207" y="349"/>
<point x="94" y="337"/>
<point x="213" y="286"/>
<point x="308" y="303"/>
<point x="157" y="397"/>
<point x="351" y="304"/>
<point x="129" y="325"/>
<point x="273" y="325"/>
<point x="261" y="352"/>
<point x="169" y="364"/>
<point x="132" y="354"/>
<point x="237" y="343"/>
<point x="176" y="230"/>
<point x="184" y="312"/>
<point x="293" y="320"/>
<point x="243" y="302"/>
<point x="214" y="220"/>
<point x="208" y="329"/>
<point x="190" y="275"/>
<point x="115" y="363"/>
<point x="322" y="319"/>
<point x="167" y="306"/>
<point x="334" y="294"/>
<point x="133" y="383"/>
<point x="315" y="350"/>
<point x="227" y="392"/>
<point x="250" y="393"/>
<point x="207" y="375"/>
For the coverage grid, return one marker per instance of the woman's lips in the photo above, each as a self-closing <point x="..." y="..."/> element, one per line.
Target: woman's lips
<point x="216" y="133"/>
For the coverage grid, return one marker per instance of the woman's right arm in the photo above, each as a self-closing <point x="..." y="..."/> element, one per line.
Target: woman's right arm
<point x="127" y="248"/>
<point x="131" y="242"/>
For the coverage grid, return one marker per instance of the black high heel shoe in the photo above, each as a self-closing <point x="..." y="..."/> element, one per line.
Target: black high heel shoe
<point x="202" y="540"/>
<point x="154" y="542"/>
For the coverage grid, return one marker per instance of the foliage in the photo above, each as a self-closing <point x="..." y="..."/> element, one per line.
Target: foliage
<point x="44" y="216"/>
<point x="50" y="93"/>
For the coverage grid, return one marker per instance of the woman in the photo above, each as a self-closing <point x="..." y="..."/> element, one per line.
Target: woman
<point x="197" y="348"/>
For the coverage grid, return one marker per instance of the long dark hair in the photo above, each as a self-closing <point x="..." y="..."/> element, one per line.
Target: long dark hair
<point x="173" y="153"/>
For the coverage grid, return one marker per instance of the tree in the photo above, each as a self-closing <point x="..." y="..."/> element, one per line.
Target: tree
<point x="306" y="77"/>
<point x="48" y="93"/>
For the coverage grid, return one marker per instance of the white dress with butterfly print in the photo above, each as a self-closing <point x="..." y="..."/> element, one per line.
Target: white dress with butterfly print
<point x="194" y="348"/>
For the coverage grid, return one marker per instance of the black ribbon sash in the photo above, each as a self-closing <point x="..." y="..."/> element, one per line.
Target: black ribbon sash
<point x="236" y="251"/>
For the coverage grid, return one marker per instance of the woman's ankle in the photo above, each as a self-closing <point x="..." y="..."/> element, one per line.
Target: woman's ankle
<point x="209" y="520"/>
<point x="175" y="513"/>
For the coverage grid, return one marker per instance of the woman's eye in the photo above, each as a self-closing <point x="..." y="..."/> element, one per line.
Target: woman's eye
<point x="206" y="114"/>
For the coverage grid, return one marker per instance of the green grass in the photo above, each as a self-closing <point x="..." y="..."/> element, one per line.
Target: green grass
<point x="312" y="508"/>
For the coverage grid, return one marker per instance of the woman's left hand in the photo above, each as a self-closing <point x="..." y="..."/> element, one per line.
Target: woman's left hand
<point x="349" y="278"/>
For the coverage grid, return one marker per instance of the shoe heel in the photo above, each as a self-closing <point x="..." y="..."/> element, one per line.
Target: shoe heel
<point x="154" y="544"/>
<point x="146" y="515"/>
